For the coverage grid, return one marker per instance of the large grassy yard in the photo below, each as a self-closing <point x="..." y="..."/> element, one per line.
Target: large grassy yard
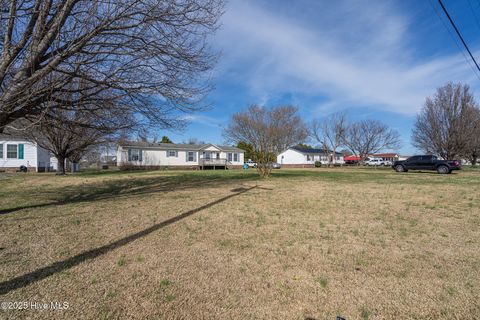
<point x="304" y="244"/>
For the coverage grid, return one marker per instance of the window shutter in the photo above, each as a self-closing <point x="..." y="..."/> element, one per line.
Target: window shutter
<point x="186" y="156"/>
<point x="176" y="154"/>
<point x="140" y="155"/>
<point x="20" y="151"/>
<point x="168" y="153"/>
<point x="129" y="154"/>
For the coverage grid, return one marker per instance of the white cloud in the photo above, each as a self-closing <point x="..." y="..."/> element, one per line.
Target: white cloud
<point x="203" y="119"/>
<point x="354" y="55"/>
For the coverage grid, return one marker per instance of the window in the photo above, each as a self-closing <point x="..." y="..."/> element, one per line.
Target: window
<point x="12" y="151"/>
<point x="308" y="158"/>
<point x="191" y="156"/>
<point x="229" y="157"/>
<point x="134" y="155"/>
<point x="235" y="157"/>
<point x="1" y="150"/>
<point x="172" y="153"/>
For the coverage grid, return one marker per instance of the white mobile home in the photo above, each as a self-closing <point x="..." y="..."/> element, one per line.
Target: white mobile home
<point x="306" y="157"/>
<point x="178" y="156"/>
<point x="18" y="151"/>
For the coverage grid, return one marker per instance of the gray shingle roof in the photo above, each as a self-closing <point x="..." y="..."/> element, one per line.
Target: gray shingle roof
<point x="312" y="150"/>
<point x="175" y="146"/>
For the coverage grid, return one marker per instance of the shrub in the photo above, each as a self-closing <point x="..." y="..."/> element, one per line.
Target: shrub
<point x="318" y="164"/>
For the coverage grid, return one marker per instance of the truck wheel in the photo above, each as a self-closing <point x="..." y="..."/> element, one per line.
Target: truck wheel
<point x="442" y="169"/>
<point x="399" y="168"/>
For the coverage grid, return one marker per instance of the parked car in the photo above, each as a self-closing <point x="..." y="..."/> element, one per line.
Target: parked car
<point x="275" y="165"/>
<point x="251" y="163"/>
<point x="426" y="162"/>
<point x="387" y="162"/>
<point x="375" y="162"/>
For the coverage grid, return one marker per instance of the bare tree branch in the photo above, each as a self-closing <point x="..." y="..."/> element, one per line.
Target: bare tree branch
<point x="370" y="136"/>
<point x="330" y="132"/>
<point x="447" y="125"/>
<point x="268" y="131"/>
<point x="152" y="53"/>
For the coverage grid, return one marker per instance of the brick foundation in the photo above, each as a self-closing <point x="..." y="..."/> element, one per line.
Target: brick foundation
<point x="195" y="167"/>
<point x="298" y="165"/>
<point x="15" y="169"/>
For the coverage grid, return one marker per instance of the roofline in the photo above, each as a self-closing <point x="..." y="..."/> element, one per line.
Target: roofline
<point x="174" y="147"/>
<point x="300" y="151"/>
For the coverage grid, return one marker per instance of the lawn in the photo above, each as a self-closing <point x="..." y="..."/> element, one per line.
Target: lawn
<point x="304" y="244"/>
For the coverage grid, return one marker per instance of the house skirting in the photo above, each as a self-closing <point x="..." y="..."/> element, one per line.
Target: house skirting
<point x="15" y="169"/>
<point x="191" y="167"/>
<point x="298" y="165"/>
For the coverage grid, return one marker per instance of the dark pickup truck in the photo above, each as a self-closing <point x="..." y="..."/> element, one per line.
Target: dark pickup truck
<point x="427" y="162"/>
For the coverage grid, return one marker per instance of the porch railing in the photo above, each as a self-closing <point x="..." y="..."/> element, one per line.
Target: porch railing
<point x="213" y="162"/>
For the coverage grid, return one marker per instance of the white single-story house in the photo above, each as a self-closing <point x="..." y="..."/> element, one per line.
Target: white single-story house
<point x="392" y="157"/>
<point x="306" y="157"/>
<point x="18" y="151"/>
<point x="178" y="156"/>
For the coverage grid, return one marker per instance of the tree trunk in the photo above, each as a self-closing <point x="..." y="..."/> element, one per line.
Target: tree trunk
<point x="60" y="165"/>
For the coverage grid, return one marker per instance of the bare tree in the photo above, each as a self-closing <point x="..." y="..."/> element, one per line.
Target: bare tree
<point x="370" y="136"/>
<point x="70" y="134"/>
<point x="446" y="124"/>
<point x="268" y="131"/>
<point x="472" y="150"/>
<point x="192" y="140"/>
<point x="330" y="133"/>
<point x="142" y="135"/>
<point x="151" y="55"/>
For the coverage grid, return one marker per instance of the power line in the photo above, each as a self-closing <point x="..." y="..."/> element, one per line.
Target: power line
<point x="458" y="33"/>
<point x="454" y="39"/>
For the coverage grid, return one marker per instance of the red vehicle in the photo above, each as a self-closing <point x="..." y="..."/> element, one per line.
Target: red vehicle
<point x="351" y="160"/>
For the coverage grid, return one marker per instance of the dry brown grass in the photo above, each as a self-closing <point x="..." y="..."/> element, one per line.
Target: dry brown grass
<point x="303" y="244"/>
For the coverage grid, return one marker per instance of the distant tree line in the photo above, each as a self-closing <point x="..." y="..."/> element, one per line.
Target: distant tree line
<point x="266" y="132"/>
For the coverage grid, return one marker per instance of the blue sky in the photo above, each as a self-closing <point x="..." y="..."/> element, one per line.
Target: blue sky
<point x="373" y="59"/>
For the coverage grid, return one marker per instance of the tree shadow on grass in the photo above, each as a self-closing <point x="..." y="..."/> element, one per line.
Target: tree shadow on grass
<point x="128" y="184"/>
<point x="42" y="273"/>
<point x="127" y="187"/>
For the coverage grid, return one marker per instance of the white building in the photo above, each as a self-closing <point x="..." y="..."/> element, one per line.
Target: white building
<point x="306" y="157"/>
<point x="178" y="156"/>
<point x="17" y="151"/>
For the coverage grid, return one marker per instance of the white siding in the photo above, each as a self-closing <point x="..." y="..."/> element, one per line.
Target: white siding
<point x="155" y="157"/>
<point x="53" y="163"/>
<point x="29" y="154"/>
<point x="291" y="156"/>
